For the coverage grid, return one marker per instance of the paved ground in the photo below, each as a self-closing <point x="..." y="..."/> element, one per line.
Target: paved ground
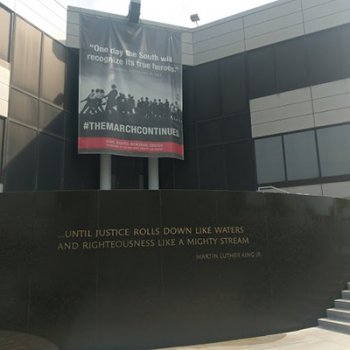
<point x="306" y="339"/>
<point x="22" y="341"/>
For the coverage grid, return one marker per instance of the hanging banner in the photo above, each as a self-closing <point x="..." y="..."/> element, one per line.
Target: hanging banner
<point x="130" y="89"/>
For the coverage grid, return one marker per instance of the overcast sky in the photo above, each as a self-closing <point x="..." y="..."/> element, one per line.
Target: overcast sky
<point x="175" y="11"/>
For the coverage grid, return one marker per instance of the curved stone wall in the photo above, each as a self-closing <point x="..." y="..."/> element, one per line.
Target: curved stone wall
<point x="147" y="269"/>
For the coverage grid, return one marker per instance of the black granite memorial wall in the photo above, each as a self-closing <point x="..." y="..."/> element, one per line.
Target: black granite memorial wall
<point x="146" y="269"/>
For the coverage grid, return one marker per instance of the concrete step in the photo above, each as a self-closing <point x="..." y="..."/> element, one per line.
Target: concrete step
<point x="333" y="325"/>
<point x="345" y="294"/>
<point x="342" y="304"/>
<point x="338" y="314"/>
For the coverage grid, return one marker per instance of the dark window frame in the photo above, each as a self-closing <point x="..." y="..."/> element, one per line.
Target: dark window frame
<point x="304" y="182"/>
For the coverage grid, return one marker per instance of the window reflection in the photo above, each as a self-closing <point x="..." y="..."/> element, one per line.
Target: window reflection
<point x="334" y="148"/>
<point x="301" y="155"/>
<point x="269" y="159"/>
<point x="5" y="29"/>
<point x="26" y="59"/>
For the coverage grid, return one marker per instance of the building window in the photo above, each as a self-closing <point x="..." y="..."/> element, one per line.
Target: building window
<point x="23" y="108"/>
<point x="311" y="154"/>
<point x="301" y="155"/>
<point x="26" y="59"/>
<point x="53" y="71"/>
<point x="5" y="31"/>
<point x="51" y="119"/>
<point x="334" y="149"/>
<point x="269" y="160"/>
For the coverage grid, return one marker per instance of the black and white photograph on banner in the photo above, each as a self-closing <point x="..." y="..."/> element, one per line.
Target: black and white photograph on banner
<point x="130" y="89"/>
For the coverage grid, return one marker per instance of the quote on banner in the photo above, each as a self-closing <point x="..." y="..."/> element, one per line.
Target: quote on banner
<point x="130" y="89"/>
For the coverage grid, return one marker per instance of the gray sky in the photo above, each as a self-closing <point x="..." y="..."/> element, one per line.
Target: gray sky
<point x="175" y="11"/>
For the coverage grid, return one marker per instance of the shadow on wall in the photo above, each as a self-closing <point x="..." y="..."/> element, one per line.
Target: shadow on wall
<point x="47" y="158"/>
<point x="40" y="150"/>
<point x="41" y="137"/>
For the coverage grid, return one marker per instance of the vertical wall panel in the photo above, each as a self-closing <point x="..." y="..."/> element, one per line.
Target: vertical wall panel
<point x="291" y="72"/>
<point x="206" y="89"/>
<point x="74" y="171"/>
<point x="233" y="84"/>
<point x="5" y="30"/>
<point x="50" y="165"/>
<point x="80" y="171"/>
<point x="188" y="95"/>
<point x="71" y="127"/>
<point x="53" y="71"/>
<point x="261" y="72"/>
<point x="20" y="167"/>
<point x="186" y="173"/>
<point x="166" y="173"/>
<point x="24" y="108"/>
<point x="51" y="119"/>
<point x="240" y="166"/>
<point x="211" y="167"/>
<point x="190" y="138"/>
<point x="26" y="59"/>
<point x="323" y="54"/>
<point x="71" y="86"/>
<point x="236" y="127"/>
<point x="127" y="171"/>
<point x="344" y="35"/>
<point x="209" y="133"/>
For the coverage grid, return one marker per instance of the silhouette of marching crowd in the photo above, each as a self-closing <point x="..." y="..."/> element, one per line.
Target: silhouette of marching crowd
<point x="115" y="103"/>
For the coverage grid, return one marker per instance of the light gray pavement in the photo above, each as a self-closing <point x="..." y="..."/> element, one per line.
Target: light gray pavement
<point x="307" y="339"/>
<point x="22" y="341"/>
